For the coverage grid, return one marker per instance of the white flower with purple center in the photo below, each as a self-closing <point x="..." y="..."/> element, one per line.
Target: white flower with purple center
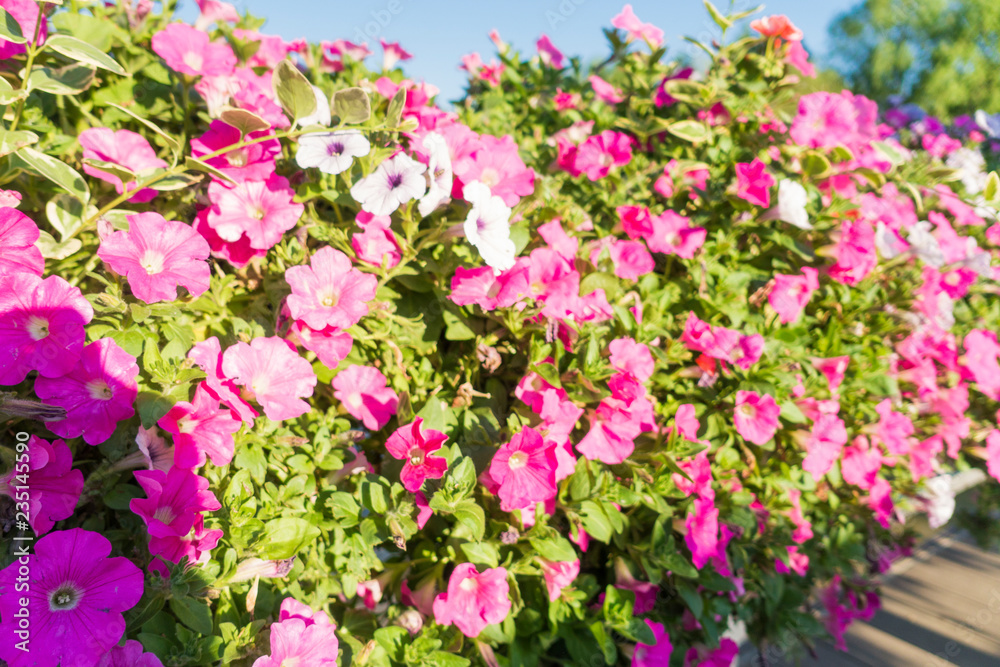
<point x="488" y="226"/>
<point x="441" y="176"/>
<point x="331" y="152"/>
<point x="392" y="184"/>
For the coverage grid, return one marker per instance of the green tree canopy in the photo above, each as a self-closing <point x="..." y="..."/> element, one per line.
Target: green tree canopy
<point x="941" y="54"/>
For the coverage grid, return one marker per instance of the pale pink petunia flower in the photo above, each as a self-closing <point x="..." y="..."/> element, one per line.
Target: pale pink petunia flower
<point x="330" y="345"/>
<point x="524" y="469"/>
<point x="861" y="463"/>
<point x="395" y="182"/>
<point x="18" y="253"/>
<point x="611" y="438"/>
<point x="549" y="54"/>
<point x="41" y="326"/>
<point x="365" y="393"/>
<point x="261" y="210"/>
<point x="301" y="637"/>
<point x="97" y="393"/>
<point x="75" y="595"/>
<point x="215" y="11"/>
<point x="473" y="600"/>
<point x="174" y="501"/>
<point x="200" y="429"/>
<point x="803" y="527"/>
<point x="414" y="445"/>
<point x="777" y="25"/>
<point x="833" y="369"/>
<point x="753" y="183"/>
<point x="54" y="487"/>
<point x="392" y="53"/>
<point x="558" y="575"/>
<point x="239" y="253"/>
<point x="153" y="452"/>
<point x="329" y="292"/>
<point x="635" y="29"/>
<point x="157" y="255"/>
<point x="756" y="416"/>
<point x="123" y="147"/>
<point x="376" y="245"/>
<point x="605" y="90"/>
<point x="276" y="375"/>
<point x="254" y="162"/>
<point x="790" y="294"/>
<point x="190" y="51"/>
<point x="993" y="453"/>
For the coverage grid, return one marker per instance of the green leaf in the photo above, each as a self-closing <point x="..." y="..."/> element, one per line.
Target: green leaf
<point x="243" y="120"/>
<point x="175" y="182"/>
<point x="122" y="173"/>
<point x="52" y="249"/>
<point x="81" y="51"/>
<point x="791" y="413"/>
<point x="815" y="164"/>
<point x="482" y="553"/>
<point x="555" y="548"/>
<point x="12" y="141"/>
<point x="443" y="659"/>
<point x="293" y="90"/>
<point x="8" y="94"/>
<point x="890" y="153"/>
<point x="54" y="170"/>
<point x="68" y="80"/>
<point x="65" y="214"/>
<point x="718" y="17"/>
<point x="685" y="90"/>
<point x="352" y="105"/>
<point x="10" y="29"/>
<point x="283" y="538"/>
<point x="193" y="613"/>
<point x="689" y="130"/>
<point x="992" y="188"/>
<point x="596" y="521"/>
<point x="194" y="164"/>
<point x="394" y="640"/>
<point x="472" y="517"/>
<point x="172" y="143"/>
<point x="396" y="104"/>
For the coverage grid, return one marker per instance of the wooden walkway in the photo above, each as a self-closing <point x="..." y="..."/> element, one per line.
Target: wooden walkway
<point x="940" y="607"/>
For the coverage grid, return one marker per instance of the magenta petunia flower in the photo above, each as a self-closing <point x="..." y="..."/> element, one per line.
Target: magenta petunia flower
<point x="525" y="470"/>
<point x="753" y="183"/>
<point x="129" y="655"/>
<point x="473" y="600"/>
<point x="702" y="525"/>
<point x="53" y="486"/>
<point x="126" y="148"/>
<point x="756" y="416"/>
<point x="278" y="377"/>
<point x="41" y="326"/>
<point x="365" y="393"/>
<point x="558" y="575"/>
<point x="174" y="501"/>
<point x="656" y="654"/>
<point x="723" y="656"/>
<point x="97" y="394"/>
<point x="414" y="445"/>
<point x="254" y="162"/>
<point x="201" y="429"/>
<point x="790" y="294"/>
<point x="261" y="210"/>
<point x="196" y="546"/>
<point x="25" y="12"/>
<point x="329" y="292"/>
<point x="76" y="596"/>
<point x="190" y="51"/>
<point x="18" y="234"/>
<point x="549" y="54"/>
<point x="301" y="637"/>
<point x="599" y="153"/>
<point x="157" y="255"/>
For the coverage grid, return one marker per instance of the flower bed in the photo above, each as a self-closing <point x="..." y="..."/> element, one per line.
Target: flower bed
<point x="304" y="369"/>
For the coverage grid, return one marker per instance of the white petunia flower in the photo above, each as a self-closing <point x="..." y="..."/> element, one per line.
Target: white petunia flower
<point x="939" y="500"/>
<point x="392" y="184"/>
<point x="321" y="116"/>
<point x="331" y="152"/>
<point x="488" y="226"/>
<point x="925" y="245"/>
<point x="989" y="123"/>
<point x="971" y="167"/>
<point x="439" y="168"/>
<point x="887" y="242"/>
<point x="791" y="206"/>
<point x="977" y="259"/>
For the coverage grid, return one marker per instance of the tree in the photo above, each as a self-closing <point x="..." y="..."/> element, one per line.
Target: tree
<point x="940" y="54"/>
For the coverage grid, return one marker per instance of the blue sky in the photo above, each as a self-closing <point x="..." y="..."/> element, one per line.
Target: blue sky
<point x="439" y="32"/>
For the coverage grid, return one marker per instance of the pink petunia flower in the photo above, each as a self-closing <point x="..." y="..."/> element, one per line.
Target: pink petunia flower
<point x="126" y="148"/>
<point x="981" y="361"/>
<point x="329" y="292"/>
<point x="131" y="654"/>
<point x="260" y="210"/>
<point x="473" y="600"/>
<point x="756" y="416"/>
<point x="207" y="355"/>
<point x="190" y="51"/>
<point x="797" y="562"/>
<point x="861" y="463"/>
<point x="722" y="343"/>
<point x="330" y="345"/>
<point x="395" y="182"/>
<point x="702" y="525"/>
<point x="826" y="120"/>
<point x="76" y="596"/>
<point x="631" y="259"/>
<point x="599" y="153"/>
<point x="156" y="255"/>
<point x="238" y="253"/>
<point x="824" y="446"/>
<point x="25" y="13"/>
<point x="558" y="575"/>
<point x="276" y="375"/>
<point x="833" y="369"/>
<point x="301" y="637"/>
<point x="753" y="183"/>
<point x="854" y="252"/>
<point x="200" y="429"/>
<point x="803" y="527"/>
<point x="254" y="162"/>
<point x="632" y="357"/>
<point x="365" y="393"/>
<point x="524" y="469"/>
<point x="635" y="29"/>
<point x="496" y="163"/>
<point x="657" y="654"/>
<point x="605" y="91"/>
<point x="41" y="326"/>
<point x="790" y="294"/>
<point x="196" y="547"/>
<point x="993" y="453"/>
<point x="549" y="54"/>
<point x="414" y="445"/>
<point x="214" y="11"/>
<point x="53" y="486"/>
<point x="97" y="394"/>
<point x="672" y="234"/>
<point x="18" y="253"/>
<point x="702" y="656"/>
<point x="174" y="501"/>
<point x="377" y="245"/>
<point x="777" y="25"/>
